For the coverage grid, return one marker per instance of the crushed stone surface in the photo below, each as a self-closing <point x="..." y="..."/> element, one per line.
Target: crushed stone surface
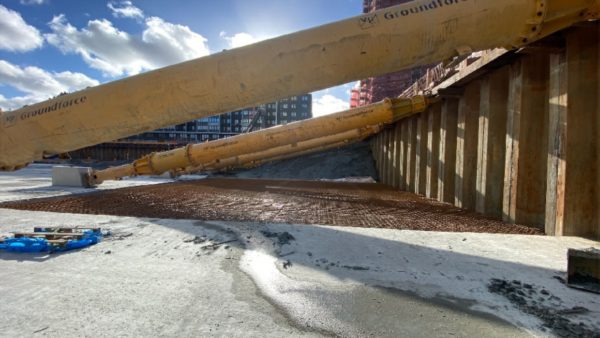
<point x="282" y="201"/>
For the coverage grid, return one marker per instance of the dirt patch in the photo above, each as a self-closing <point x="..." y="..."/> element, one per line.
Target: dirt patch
<point x="282" y="238"/>
<point x="537" y="301"/>
<point x="277" y="201"/>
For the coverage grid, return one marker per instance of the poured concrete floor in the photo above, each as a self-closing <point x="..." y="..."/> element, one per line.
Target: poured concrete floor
<point x="203" y="278"/>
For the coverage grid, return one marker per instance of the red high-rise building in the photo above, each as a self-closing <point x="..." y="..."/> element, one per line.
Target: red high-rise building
<point x="376" y="89"/>
<point x="355" y="97"/>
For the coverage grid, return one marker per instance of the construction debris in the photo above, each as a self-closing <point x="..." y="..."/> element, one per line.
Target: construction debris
<point x="584" y="269"/>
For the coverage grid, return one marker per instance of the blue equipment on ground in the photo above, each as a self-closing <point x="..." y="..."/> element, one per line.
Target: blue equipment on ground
<point x="47" y="243"/>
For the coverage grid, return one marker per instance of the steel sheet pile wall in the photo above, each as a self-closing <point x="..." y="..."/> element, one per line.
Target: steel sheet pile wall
<point x="519" y="142"/>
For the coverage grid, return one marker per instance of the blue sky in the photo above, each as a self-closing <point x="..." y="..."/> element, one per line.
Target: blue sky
<point x="51" y="46"/>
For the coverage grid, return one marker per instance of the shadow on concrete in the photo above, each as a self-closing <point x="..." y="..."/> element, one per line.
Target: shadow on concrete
<point x="396" y="268"/>
<point x="38" y="257"/>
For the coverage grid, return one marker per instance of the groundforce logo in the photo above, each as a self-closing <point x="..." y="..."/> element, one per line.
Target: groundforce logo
<point x="415" y="9"/>
<point x="369" y="21"/>
<point x="52" y="107"/>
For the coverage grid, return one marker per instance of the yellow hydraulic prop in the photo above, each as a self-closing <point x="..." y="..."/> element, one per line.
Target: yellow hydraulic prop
<point x="388" y="40"/>
<point x="317" y="144"/>
<point x="316" y="132"/>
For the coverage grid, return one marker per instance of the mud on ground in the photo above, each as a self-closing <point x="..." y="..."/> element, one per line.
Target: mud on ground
<point x="281" y="201"/>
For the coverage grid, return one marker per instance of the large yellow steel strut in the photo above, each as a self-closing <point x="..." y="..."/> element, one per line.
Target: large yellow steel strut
<point x="322" y="131"/>
<point x="388" y="40"/>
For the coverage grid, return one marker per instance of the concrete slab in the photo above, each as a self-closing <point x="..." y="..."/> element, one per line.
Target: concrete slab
<point x="35" y="181"/>
<point x="157" y="277"/>
<point x="63" y="176"/>
<point x="160" y="277"/>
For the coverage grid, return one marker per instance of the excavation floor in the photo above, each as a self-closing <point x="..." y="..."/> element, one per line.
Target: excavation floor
<point x="281" y="201"/>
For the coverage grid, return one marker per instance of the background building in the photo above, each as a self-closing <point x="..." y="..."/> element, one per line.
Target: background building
<point x="375" y="89"/>
<point x="284" y="111"/>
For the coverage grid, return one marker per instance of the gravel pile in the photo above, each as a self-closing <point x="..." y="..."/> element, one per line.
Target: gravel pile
<point x="352" y="161"/>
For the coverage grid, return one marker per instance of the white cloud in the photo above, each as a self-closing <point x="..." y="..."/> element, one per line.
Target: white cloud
<point x="114" y="52"/>
<point x="32" y="2"/>
<point x="38" y="84"/>
<point x="125" y="9"/>
<point x="12" y="103"/>
<point x="15" y="34"/>
<point x="328" y="104"/>
<point x="238" y="39"/>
